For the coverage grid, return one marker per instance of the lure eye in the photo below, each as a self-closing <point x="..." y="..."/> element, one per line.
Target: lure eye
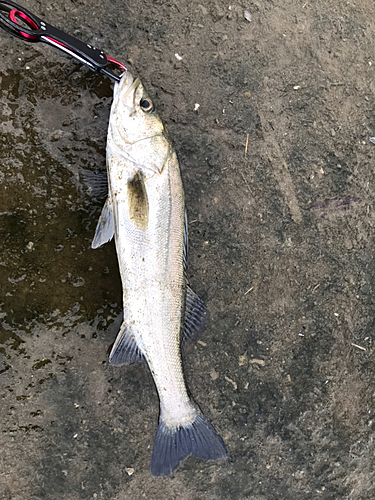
<point x="147" y="105"/>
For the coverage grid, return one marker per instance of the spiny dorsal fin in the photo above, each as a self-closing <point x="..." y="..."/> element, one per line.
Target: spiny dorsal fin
<point x="186" y="237"/>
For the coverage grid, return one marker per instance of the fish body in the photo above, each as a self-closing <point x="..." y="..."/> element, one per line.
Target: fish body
<point x="145" y="212"/>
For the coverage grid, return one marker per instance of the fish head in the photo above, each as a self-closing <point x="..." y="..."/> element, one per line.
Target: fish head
<point x="133" y="118"/>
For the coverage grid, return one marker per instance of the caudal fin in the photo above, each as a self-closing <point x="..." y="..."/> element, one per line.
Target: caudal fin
<point x="172" y="445"/>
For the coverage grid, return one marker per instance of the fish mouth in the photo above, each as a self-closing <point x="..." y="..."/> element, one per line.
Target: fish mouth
<point x="126" y="86"/>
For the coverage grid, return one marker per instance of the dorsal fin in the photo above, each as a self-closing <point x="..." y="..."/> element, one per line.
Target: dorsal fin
<point x="196" y="317"/>
<point x="125" y="349"/>
<point x="186" y="237"/>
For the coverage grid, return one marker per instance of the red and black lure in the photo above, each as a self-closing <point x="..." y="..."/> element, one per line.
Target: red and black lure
<point x="22" y="24"/>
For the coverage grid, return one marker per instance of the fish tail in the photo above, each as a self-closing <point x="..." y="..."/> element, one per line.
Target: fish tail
<point x="173" y="444"/>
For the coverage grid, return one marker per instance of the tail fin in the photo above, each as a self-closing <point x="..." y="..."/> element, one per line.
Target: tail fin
<point x="172" y="445"/>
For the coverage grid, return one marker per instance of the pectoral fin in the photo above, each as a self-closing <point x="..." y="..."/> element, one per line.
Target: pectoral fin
<point x="106" y="226"/>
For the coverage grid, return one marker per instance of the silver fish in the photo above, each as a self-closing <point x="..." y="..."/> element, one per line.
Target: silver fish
<point x="145" y="212"/>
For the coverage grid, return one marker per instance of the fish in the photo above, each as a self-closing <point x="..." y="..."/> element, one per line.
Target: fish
<point x="145" y="213"/>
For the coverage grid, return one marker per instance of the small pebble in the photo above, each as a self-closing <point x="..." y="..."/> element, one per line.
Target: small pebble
<point x="247" y="15"/>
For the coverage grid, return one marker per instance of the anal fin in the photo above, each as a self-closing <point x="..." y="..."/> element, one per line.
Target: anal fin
<point x="125" y="349"/>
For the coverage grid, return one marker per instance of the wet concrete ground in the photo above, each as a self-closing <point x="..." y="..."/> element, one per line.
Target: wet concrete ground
<point x="279" y="180"/>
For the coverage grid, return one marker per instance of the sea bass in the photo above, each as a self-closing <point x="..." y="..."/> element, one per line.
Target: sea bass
<point x="145" y="212"/>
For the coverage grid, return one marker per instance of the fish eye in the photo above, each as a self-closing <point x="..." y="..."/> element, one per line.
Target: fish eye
<point x="146" y="105"/>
